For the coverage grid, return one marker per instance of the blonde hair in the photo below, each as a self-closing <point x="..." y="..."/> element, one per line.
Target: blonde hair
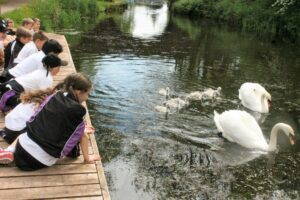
<point x="37" y="96"/>
<point x="27" y="21"/>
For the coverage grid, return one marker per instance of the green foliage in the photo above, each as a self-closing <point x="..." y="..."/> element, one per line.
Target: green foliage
<point x="56" y="14"/>
<point x="278" y="17"/>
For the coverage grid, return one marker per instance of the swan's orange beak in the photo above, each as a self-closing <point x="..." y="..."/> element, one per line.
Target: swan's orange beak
<point x="269" y="103"/>
<point x="292" y="138"/>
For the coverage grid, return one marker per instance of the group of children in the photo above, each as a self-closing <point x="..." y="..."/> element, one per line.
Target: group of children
<point x="42" y="124"/>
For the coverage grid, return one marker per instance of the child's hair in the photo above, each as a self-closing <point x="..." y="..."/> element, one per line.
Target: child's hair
<point x="37" y="96"/>
<point x="40" y="35"/>
<point x="52" y="46"/>
<point x="36" y="20"/>
<point x="76" y="81"/>
<point x="23" y="32"/>
<point x="27" y="21"/>
<point x="8" y="20"/>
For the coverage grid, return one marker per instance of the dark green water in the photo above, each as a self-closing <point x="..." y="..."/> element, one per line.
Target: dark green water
<point x="130" y="56"/>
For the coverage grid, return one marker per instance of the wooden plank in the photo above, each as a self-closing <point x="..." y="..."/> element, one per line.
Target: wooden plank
<point x="85" y="198"/>
<point x="53" y="170"/>
<point x="51" y="192"/>
<point x="46" y="181"/>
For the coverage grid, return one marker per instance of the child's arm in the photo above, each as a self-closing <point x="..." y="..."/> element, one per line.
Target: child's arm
<point x="85" y="150"/>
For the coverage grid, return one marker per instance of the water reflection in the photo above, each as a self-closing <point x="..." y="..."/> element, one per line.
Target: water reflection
<point x="145" y="22"/>
<point x="149" y="157"/>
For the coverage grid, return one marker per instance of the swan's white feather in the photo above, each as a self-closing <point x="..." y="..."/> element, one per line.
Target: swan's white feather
<point x="240" y="127"/>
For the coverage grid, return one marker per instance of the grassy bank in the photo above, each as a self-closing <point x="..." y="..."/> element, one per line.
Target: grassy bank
<point x="280" y="18"/>
<point x="57" y="14"/>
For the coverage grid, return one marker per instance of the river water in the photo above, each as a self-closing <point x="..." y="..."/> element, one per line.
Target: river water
<point x="151" y="155"/>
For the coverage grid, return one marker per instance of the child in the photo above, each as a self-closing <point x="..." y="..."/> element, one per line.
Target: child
<point x="10" y="27"/>
<point x="36" y="24"/>
<point x="54" y="130"/>
<point x="39" y="38"/>
<point x="28" y="24"/>
<point x="38" y="79"/>
<point x="33" y="62"/>
<point x="12" y="50"/>
<point x="15" y="121"/>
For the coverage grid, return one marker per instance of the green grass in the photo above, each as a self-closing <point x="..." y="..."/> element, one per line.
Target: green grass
<point x="57" y="14"/>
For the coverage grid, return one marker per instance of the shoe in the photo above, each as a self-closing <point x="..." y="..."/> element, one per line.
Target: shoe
<point x="6" y="157"/>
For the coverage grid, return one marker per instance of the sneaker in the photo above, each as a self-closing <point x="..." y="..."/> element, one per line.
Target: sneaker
<point x="6" y="157"/>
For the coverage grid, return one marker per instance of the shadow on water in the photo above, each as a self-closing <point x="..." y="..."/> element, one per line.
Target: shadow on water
<point x="130" y="56"/>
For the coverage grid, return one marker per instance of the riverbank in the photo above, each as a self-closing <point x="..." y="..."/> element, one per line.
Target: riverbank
<point x="280" y="19"/>
<point x="56" y="14"/>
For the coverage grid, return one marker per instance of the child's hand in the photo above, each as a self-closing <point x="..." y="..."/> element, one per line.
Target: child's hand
<point x="92" y="159"/>
<point x="89" y="129"/>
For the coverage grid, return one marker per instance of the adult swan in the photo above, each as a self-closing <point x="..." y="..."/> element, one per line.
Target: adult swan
<point x="240" y="127"/>
<point x="255" y="97"/>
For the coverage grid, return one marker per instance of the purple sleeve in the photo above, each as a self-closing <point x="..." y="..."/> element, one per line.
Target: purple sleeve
<point x="73" y="140"/>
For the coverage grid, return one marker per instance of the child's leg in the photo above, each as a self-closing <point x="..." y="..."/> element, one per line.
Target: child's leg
<point x="7" y="155"/>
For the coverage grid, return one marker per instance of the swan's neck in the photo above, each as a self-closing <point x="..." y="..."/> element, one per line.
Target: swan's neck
<point x="273" y="139"/>
<point x="264" y="104"/>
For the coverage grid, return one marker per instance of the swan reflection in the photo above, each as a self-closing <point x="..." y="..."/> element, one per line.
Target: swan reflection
<point x="145" y="22"/>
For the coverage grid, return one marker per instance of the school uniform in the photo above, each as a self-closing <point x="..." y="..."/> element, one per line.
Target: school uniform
<point x="11" y="52"/>
<point x="28" y="49"/>
<point x="29" y="64"/>
<point x="10" y="91"/>
<point x="15" y="121"/>
<point x="53" y="132"/>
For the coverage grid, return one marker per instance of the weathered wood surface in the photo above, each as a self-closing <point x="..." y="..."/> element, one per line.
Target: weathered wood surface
<point x="68" y="179"/>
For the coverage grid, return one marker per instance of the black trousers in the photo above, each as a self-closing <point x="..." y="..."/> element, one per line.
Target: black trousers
<point x="25" y="161"/>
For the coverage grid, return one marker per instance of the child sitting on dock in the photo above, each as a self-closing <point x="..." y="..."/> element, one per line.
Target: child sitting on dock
<point x="36" y="24"/>
<point x="38" y="40"/>
<point x="33" y="62"/>
<point x="23" y="36"/>
<point x="15" y="121"/>
<point x="36" y="80"/>
<point x="54" y="130"/>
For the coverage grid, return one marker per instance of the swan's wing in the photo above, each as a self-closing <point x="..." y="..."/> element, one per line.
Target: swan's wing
<point x="248" y="97"/>
<point x="217" y="122"/>
<point x="240" y="127"/>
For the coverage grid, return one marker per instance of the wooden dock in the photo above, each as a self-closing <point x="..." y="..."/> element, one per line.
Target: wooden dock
<point x="68" y="179"/>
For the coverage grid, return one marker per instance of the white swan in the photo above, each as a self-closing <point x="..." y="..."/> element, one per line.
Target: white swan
<point x="240" y="127"/>
<point x="255" y="97"/>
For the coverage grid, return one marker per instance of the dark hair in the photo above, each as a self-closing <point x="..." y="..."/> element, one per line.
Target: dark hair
<point x="39" y="35"/>
<point x="76" y="81"/>
<point x="23" y="32"/>
<point x="50" y="61"/>
<point x="3" y="27"/>
<point x="52" y="46"/>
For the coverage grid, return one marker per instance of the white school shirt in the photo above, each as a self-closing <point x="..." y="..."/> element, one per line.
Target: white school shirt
<point x="36" y="151"/>
<point x="36" y="80"/>
<point x="28" y="49"/>
<point x="31" y="63"/>
<point x="16" y="119"/>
